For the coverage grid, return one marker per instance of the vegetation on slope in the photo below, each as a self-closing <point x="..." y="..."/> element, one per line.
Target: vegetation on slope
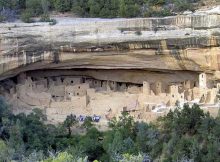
<point x="187" y="134"/>
<point x="93" y="8"/>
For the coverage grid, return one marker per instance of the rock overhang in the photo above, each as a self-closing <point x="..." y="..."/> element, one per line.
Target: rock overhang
<point x="176" y="43"/>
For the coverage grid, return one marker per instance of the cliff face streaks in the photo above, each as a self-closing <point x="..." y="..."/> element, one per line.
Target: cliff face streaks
<point x="170" y="44"/>
<point x="105" y="66"/>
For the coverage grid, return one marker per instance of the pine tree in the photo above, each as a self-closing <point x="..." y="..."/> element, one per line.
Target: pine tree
<point x="122" y="8"/>
<point x="16" y="141"/>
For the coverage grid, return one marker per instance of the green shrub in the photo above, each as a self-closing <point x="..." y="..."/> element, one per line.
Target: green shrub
<point x="87" y="123"/>
<point x="53" y="22"/>
<point x="156" y="2"/>
<point x="63" y="5"/>
<point x="34" y="6"/>
<point x="26" y="17"/>
<point x="46" y="18"/>
<point x="183" y="5"/>
<point x="4" y="155"/>
<point x="138" y="32"/>
<point x="2" y="18"/>
<point x="157" y="13"/>
<point x="78" y="10"/>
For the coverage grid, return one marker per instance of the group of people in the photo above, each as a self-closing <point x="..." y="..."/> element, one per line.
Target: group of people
<point x="95" y="118"/>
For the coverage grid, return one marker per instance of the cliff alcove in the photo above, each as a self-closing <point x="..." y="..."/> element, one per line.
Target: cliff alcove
<point x="123" y="64"/>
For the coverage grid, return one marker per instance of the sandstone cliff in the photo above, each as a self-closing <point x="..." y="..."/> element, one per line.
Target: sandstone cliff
<point x="147" y="48"/>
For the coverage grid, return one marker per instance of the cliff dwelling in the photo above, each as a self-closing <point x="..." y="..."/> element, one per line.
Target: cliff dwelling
<point x="104" y="67"/>
<point x="59" y="94"/>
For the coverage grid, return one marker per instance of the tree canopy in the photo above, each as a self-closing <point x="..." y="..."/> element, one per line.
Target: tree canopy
<point x="185" y="134"/>
<point x="94" y="8"/>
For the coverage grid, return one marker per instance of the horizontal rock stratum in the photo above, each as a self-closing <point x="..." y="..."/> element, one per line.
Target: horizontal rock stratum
<point x="170" y="47"/>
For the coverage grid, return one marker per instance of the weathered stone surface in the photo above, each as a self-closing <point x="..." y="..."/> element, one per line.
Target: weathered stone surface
<point x="170" y="45"/>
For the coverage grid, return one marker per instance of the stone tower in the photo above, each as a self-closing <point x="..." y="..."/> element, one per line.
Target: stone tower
<point x="146" y="88"/>
<point x="202" y="80"/>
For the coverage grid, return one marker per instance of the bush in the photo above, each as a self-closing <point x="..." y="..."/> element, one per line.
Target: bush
<point x="46" y="18"/>
<point x="136" y="158"/>
<point x="157" y="13"/>
<point x="183" y="5"/>
<point x="2" y="18"/>
<point x="53" y="22"/>
<point x="3" y="151"/>
<point x="87" y="123"/>
<point x="34" y="6"/>
<point x="77" y="10"/>
<point x="157" y="2"/>
<point x="63" y="5"/>
<point x="138" y="33"/>
<point x="26" y="17"/>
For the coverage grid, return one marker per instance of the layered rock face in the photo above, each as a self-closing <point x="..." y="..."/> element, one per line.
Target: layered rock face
<point x="105" y="66"/>
<point x="168" y="49"/>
